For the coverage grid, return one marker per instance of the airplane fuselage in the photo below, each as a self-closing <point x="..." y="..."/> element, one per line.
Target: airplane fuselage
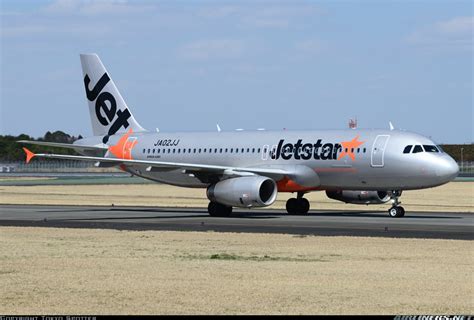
<point x="342" y="159"/>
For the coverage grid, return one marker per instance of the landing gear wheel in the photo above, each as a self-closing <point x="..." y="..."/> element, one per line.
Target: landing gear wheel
<point x="292" y="206"/>
<point x="396" y="212"/>
<point x="216" y="209"/>
<point x="297" y="206"/>
<point x="303" y="205"/>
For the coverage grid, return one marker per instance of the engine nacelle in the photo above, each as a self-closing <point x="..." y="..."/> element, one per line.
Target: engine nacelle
<point x="246" y="192"/>
<point x="360" y="197"/>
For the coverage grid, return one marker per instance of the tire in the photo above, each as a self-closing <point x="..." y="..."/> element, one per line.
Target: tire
<point x="402" y="212"/>
<point x="396" y="212"/>
<point x="216" y="209"/>
<point x="297" y="206"/>
<point x="303" y="206"/>
<point x="292" y="206"/>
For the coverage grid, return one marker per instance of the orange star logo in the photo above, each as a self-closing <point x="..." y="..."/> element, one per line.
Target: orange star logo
<point x="348" y="148"/>
<point x="123" y="148"/>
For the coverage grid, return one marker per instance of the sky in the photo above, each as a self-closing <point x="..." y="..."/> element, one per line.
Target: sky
<point x="187" y="65"/>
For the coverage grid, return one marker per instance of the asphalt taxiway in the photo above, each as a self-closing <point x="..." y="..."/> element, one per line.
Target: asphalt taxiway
<point x="324" y="223"/>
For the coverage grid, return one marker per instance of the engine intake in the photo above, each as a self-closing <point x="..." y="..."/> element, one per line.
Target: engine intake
<point x="359" y="197"/>
<point x="246" y="192"/>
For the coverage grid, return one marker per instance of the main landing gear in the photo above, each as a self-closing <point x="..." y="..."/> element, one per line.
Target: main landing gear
<point x="396" y="211"/>
<point x="216" y="209"/>
<point x="298" y="205"/>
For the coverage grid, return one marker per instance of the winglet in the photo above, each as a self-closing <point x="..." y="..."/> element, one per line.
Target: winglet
<point x="29" y="155"/>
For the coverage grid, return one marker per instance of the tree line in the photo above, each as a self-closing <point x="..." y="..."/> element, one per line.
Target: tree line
<point x="11" y="150"/>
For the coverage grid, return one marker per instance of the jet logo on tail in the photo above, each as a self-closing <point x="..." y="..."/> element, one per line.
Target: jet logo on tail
<point x="106" y="105"/>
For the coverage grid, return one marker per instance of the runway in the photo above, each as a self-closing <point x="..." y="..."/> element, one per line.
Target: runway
<point x="323" y="223"/>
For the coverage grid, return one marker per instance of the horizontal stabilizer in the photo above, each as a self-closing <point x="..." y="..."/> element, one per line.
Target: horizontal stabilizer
<point x="29" y="155"/>
<point x="65" y="145"/>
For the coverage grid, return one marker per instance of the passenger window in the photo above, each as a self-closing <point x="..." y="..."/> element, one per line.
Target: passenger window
<point x="417" y="149"/>
<point x="407" y="149"/>
<point x="148" y="150"/>
<point x="158" y="151"/>
<point x="253" y="150"/>
<point x="236" y="150"/>
<point x="365" y="149"/>
<point x="258" y="150"/>
<point x="225" y="150"/>
<point x="144" y="150"/>
<point x="220" y="150"/>
<point x="429" y="148"/>
<point x="199" y="150"/>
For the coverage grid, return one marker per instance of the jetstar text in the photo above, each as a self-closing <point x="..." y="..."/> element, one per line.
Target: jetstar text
<point x="306" y="151"/>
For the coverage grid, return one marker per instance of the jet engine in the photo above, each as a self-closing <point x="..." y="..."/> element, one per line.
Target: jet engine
<point x="251" y="191"/>
<point x="360" y="197"/>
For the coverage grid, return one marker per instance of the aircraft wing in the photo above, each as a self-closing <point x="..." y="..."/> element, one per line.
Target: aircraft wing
<point x="162" y="164"/>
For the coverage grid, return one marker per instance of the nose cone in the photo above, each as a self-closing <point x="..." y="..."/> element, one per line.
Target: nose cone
<point x="447" y="169"/>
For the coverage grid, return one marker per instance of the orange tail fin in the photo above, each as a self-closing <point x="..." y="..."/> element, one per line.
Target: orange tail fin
<point x="29" y="155"/>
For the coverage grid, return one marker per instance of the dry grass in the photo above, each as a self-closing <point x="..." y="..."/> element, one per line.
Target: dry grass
<point x="7" y="178"/>
<point x="44" y="271"/>
<point x="455" y="196"/>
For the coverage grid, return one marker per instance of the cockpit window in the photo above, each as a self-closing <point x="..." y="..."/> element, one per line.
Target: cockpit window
<point x="440" y="149"/>
<point x="407" y="149"/>
<point x="417" y="149"/>
<point x="429" y="148"/>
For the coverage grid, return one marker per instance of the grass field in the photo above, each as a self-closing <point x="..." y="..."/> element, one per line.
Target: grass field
<point x="81" y="271"/>
<point x="451" y="197"/>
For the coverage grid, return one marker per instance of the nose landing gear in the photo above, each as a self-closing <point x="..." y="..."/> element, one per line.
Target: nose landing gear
<point x="396" y="211"/>
<point x="298" y="205"/>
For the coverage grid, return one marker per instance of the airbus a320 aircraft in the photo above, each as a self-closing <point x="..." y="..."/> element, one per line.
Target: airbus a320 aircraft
<point x="248" y="169"/>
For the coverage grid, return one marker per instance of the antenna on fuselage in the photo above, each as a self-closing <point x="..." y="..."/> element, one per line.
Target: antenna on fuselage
<point x="353" y="123"/>
<point x="218" y="127"/>
<point x="391" y="126"/>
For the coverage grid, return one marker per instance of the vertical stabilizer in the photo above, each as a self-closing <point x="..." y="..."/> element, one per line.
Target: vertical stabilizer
<point x="109" y="112"/>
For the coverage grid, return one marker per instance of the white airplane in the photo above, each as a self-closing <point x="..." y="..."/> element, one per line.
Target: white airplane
<point x="248" y="168"/>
